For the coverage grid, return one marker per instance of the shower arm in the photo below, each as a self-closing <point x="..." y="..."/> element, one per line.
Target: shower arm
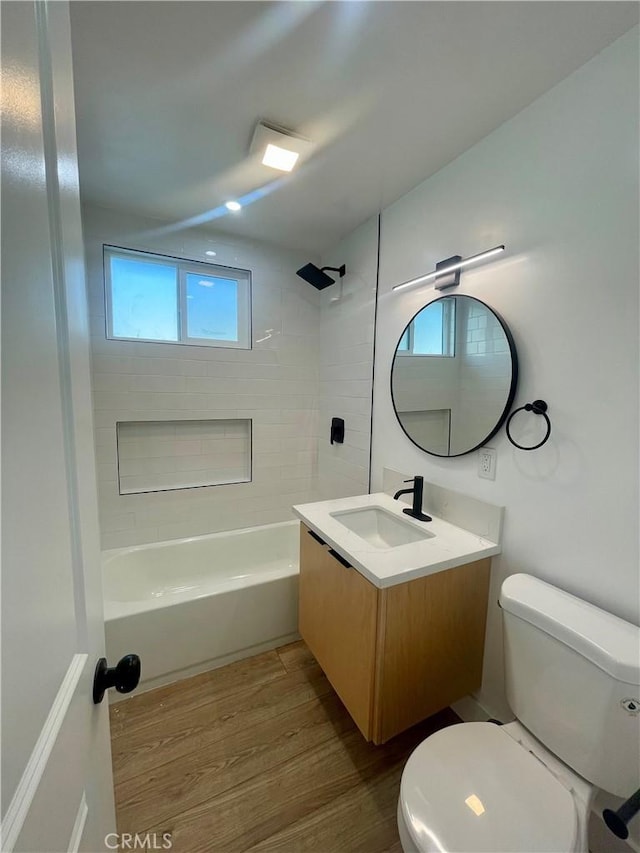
<point x="341" y="270"/>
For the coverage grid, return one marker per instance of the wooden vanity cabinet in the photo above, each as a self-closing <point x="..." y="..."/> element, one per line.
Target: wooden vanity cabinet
<point x="396" y="655"/>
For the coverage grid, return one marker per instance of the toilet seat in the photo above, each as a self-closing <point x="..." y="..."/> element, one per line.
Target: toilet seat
<point x="472" y="787"/>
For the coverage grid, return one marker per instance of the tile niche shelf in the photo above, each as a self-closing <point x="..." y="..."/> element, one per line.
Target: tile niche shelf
<point x="157" y="456"/>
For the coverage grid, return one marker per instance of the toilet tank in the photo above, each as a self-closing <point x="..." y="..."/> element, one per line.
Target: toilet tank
<point x="572" y="677"/>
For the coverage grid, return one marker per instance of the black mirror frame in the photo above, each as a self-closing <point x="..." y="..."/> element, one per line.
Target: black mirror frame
<point x="512" y="389"/>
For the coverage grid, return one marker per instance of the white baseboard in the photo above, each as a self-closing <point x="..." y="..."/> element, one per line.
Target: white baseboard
<point x="470" y="710"/>
<point x="204" y="666"/>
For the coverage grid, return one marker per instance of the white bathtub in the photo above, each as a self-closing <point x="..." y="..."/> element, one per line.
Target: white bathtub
<point x="188" y="605"/>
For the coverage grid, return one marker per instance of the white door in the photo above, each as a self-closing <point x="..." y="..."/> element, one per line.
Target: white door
<point x="56" y="763"/>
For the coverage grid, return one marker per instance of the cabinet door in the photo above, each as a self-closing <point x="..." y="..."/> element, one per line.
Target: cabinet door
<point x="431" y="645"/>
<point x="338" y="616"/>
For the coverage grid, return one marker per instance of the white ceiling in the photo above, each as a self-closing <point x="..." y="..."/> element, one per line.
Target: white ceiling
<point x="168" y="94"/>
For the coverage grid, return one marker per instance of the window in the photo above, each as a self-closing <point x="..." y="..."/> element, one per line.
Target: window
<point x="432" y="331"/>
<point x="160" y="299"/>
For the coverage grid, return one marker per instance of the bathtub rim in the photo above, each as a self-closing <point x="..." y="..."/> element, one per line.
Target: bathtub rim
<point x="114" y="610"/>
<point x="110" y="553"/>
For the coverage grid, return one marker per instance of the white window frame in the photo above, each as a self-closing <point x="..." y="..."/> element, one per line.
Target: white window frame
<point x="183" y="267"/>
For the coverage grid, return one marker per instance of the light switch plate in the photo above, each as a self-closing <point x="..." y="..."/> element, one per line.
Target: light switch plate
<point x="487" y="463"/>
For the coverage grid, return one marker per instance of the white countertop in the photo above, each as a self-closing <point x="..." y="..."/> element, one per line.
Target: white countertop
<point x="448" y="547"/>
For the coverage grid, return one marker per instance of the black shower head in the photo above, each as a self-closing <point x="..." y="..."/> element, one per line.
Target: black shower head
<point x="318" y="277"/>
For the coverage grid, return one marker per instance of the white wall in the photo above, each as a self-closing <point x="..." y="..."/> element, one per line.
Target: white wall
<point x="346" y="364"/>
<point x="275" y="384"/>
<point x="558" y="184"/>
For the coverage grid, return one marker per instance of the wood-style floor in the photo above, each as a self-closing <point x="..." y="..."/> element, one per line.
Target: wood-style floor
<point x="258" y="755"/>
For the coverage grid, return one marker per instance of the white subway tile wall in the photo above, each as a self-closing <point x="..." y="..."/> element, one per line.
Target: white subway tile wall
<point x="183" y="454"/>
<point x="346" y="365"/>
<point x="484" y="374"/>
<point x="275" y="385"/>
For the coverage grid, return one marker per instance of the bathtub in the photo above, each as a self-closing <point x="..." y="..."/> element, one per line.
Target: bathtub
<point x="188" y="605"/>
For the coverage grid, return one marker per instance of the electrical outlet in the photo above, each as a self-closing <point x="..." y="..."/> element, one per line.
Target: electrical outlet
<point x="487" y="463"/>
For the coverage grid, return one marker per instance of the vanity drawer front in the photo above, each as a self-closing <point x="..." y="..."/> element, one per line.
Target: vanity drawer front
<point x="337" y="620"/>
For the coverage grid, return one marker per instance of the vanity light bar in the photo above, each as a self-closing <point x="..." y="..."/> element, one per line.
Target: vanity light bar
<point x="457" y="266"/>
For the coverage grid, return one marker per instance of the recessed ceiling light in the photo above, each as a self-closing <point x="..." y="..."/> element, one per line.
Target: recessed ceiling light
<point x="211" y="254"/>
<point x="279" y="148"/>
<point x="280" y="158"/>
<point x="235" y="206"/>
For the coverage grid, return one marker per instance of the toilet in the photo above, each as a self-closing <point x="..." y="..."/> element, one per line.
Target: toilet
<point x="572" y="677"/>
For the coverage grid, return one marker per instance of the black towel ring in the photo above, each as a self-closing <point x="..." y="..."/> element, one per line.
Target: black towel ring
<point x="538" y="407"/>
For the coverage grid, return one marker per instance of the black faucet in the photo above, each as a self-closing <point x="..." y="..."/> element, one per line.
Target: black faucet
<point x="416" y="491"/>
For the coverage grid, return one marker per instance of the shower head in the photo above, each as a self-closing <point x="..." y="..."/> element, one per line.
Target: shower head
<point x="318" y="277"/>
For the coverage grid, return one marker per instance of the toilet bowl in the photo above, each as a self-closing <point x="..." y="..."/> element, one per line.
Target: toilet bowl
<point x="476" y="787"/>
<point x="482" y="787"/>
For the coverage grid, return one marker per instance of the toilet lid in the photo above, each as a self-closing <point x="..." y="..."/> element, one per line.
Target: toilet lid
<point x="472" y="787"/>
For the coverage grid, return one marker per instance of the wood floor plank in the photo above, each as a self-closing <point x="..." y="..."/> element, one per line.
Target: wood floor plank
<point x="295" y="656"/>
<point x="267" y="804"/>
<point x="363" y="820"/>
<point x="196" y="728"/>
<point x="172" y="788"/>
<point x="249" y="813"/>
<point x="151" y="707"/>
<point x="259" y="755"/>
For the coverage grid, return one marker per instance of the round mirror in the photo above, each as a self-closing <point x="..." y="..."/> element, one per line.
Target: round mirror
<point x="453" y="377"/>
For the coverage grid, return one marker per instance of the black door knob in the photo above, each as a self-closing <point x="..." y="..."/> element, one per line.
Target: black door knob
<point x="124" y="676"/>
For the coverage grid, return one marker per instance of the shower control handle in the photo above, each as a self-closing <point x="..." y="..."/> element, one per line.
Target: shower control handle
<point x="124" y="676"/>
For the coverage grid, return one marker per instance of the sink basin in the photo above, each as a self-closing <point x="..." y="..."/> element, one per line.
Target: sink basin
<point x="380" y="528"/>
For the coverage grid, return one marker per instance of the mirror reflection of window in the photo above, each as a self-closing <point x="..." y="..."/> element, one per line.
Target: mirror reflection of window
<point x="431" y="332"/>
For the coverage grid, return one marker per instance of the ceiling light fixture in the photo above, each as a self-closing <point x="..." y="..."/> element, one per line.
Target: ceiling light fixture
<point x="234" y="206"/>
<point x="279" y="148"/>
<point x="444" y="271"/>
<point x="279" y="158"/>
